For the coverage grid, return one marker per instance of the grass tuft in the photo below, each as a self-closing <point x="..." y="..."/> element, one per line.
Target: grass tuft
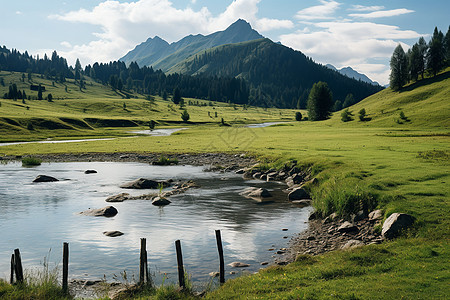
<point x="31" y="161"/>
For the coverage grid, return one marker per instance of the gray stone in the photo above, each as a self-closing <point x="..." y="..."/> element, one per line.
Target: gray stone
<point x="143" y="183"/>
<point x="396" y="223"/>
<point x="253" y="192"/>
<point x="272" y="176"/>
<point x="298" y="194"/>
<point x="352" y="244"/>
<point x="45" y="178"/>
<point x="118" y="198"/>
<point x="240" y="171"/>
<point x="90" y="172"/>
<point x="360" y="215"/>
<point x="257" y="175"/>
<point x="160" y="201"/>
<point x="238" y="264"/>
<point x="113" y="233"/>
<point x="302" y="203"/>
<point x="108" y="211"/>
<point x="347" y="227"/>
<point x="214" y="274"/>
<point x="293" y="180"/>
<point x="376" y="215"/>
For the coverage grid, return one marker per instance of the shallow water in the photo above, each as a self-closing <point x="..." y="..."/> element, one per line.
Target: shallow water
<point x="158" y="132"/>
<point x="261" y="125"/>
<point x="36" y="217"/>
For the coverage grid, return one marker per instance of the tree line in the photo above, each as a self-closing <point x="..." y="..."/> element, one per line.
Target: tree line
<point x="434" y="56"/>
<point x="124" y="78"/>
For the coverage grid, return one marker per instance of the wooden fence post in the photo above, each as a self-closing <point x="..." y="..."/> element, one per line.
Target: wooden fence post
<point x="11" y="278"/>
<point x="18" y="266"/>
<point x="222" y="263"/>
<point x="180" y="264"/>
<point x="65" y="267"/>
<point x="143" y="263"/>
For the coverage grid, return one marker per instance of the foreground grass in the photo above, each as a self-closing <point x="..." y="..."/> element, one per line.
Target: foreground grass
<point x="405" y="165"/>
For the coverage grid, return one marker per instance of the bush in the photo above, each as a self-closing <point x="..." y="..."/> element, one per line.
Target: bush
<point x="185" y="116"/>
<point x="298" y="116"/>
<point x="362" y="114"/>
<point x="346" y="116"/>
<point x="164" y="161"/>
<point x="31" y="161"/>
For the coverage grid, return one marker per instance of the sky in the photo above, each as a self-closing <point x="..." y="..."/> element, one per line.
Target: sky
<point x="361" y="34"/>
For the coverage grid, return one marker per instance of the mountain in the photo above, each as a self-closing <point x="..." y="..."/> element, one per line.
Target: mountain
<point x="161" y="55"/>
<point x="277" y="75"/>
<point x="349" y="72"/>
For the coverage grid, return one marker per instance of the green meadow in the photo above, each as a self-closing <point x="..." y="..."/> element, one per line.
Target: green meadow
<point x="403" y="161"/>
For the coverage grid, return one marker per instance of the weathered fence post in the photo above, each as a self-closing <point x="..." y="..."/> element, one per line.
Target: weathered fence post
<point x="18" y="266"/>
<point x="142" y="260"/>
<point x="65" y="267"/>
<point x="180" y="264"/>
<point x="222" y="263"/>
<point x="11" y="279"/>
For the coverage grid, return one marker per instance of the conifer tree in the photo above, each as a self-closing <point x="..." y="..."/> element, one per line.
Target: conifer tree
<point x="320" y="102"/>
<point x="399" y="68"/>
<point x="436" y="55"/>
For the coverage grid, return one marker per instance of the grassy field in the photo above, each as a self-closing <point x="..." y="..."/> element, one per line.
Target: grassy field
<point x="404" y="162"/>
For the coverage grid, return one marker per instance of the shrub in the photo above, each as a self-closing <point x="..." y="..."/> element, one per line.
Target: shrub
<point x="31" y="161"/>
<point x="346" y="116"/>
<point x="298" y="116"/>
<point x="362" y="114"/>
<point x="185" y="116"/>
<point x="164" y="161"/>
<point x="152" y="124"/>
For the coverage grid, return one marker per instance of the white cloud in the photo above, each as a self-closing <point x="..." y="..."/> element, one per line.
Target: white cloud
<point x="122" y="25"/>
<point x="365" y="8"/>
<point x="318" y="12"/>
<point x="383" y="13"/>
<point x="19" y="12"/>
<point x="350" y="44"/>
<point x="66" y="44"/>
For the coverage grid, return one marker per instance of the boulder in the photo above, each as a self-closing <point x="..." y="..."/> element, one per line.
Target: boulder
<point x="90" y="172"/>
<point x="143" y="183"/>
<point x="396" y="223"/>
<point x="45" y="178"/>
<point x="302" y="203"/>
<point x="376" y="215"/>
<point x="160" y="201"/>
<point x="214" y="274"/>
<point x="298" y="194"/>
<point x="238" y="264"/>
<point x="272" y="176"/>
<point x="257" y="175"/>
<point x="293" y="180"/>
<point x="108" y="211"/>
<point x="359" y="216"/>
<point x="347" y="227"/>
<point x="118" y="198"/>
<point x="352" y="244"/>
<point x="330" y="218"/>
<point x="240" y="171"/>
<point x="113" y="233"/>
<point x="253" y="192"/>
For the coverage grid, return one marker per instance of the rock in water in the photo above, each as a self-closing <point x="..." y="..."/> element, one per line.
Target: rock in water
<point x="108" y="211"/>
<point x="90" y="172"/>
<point x="118" y="198"/>
<point x="113" y="233"/>
<point x="238" y="264"/>
<point x="214" y="274"/>
<point x="160" y="201"/>
<point x="298" y="194"/>
<point x="143" y="183"/>
<point x="45" y="178"/>
<point x="253" y="192"/>
<point x="395" y="223"/>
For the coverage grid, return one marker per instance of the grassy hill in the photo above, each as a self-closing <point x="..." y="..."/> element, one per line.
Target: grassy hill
<point x="406" y="165"/>
<point x="99" y="111"/>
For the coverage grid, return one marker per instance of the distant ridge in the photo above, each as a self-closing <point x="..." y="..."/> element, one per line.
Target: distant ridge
<point x="278" y="76"/>
<point x="159" y="54"/>
<point x="349" y="72"/>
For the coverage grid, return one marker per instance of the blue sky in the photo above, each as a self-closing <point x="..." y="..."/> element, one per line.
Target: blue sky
<point x="361" y="34"/>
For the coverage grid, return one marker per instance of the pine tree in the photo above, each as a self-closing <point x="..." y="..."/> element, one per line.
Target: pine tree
<point x="399" y="68"/>
<point x="423" y="47"/>
<point x="320" y="102"/>
<point x="447" y="46"/>
<point x="436" y="55"/>
<point x="415" y="62"/>
<point x="176" y="98"/>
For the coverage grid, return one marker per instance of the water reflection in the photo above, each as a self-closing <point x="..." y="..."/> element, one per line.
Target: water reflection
<point x="37" y="216"/>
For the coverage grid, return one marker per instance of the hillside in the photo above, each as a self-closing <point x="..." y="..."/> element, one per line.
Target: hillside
<point x="279" y="75"/>
<point x="160" y="54"/>
<point x="425" y="103"/>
